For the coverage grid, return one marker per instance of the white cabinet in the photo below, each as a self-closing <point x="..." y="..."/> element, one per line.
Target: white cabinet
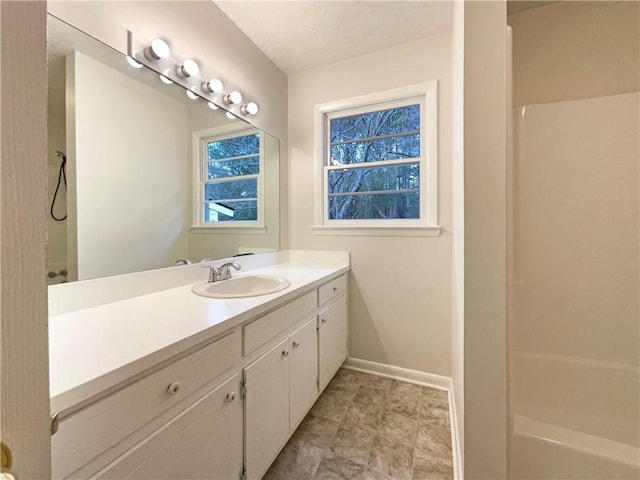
<point x="203" y="441"/>
<point x="188" y="418"/>
<point x="78" y="448"/>
<point x="303" y="371"/>
<point x="333" y="332"/>
<point x="266" y="408"/>
<point x="281" y="386"/>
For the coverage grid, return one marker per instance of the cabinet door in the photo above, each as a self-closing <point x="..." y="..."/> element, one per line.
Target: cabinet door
<point x="266" y="408"/>
<point x="332" y="339"/>
<point x="303" y="371"/>
<point x="204" y="441"/>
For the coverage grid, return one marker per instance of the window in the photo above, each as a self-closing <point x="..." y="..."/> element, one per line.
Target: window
<point x="376" y="162"/>
<point x="230" y="178"/>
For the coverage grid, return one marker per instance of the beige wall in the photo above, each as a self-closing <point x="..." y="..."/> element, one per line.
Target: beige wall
<point x="400" y="288"/>
<point x="571" y="50"/>
<point x="457" y="223"/>
<point x="115" y="177"/>
<point x="485" y="113"/>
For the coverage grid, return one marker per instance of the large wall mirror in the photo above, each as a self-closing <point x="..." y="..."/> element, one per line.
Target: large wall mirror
<point x="141" y="175"/>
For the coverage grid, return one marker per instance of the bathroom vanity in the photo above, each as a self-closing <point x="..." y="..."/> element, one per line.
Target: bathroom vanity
<point x="169" y="385"/>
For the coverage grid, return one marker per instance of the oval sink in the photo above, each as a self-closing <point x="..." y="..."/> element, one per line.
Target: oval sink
<point x="245" y="286"/>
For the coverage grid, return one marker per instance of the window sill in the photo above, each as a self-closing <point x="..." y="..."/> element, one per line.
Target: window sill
<point x="377" y="231"/>
<point x="235" y="230"/>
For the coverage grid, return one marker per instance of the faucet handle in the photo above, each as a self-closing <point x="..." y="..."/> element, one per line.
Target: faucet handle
<point x="223" y="273"/>
<point x="231" y="264"/>
<point x="206" y="263"/>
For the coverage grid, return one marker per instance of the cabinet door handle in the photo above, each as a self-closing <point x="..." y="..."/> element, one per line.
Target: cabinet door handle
<point x="335" y="289"/>
<point x="296" y="344"/>
<point x="324" y="320"/>
<point x="285" y="353"/>
<point x="173" y="388"/>
<point x="231" y="397"/>
<point x="54" y="424"/>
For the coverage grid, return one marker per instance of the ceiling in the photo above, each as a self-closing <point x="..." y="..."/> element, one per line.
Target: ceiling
<point x="301" y="35"/>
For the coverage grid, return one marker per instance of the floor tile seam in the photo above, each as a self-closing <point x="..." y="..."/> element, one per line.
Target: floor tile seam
<point x="322" y="457"/>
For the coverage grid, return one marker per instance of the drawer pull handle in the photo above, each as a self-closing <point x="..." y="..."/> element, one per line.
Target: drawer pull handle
<point x="324" y="320"/>
<point x="231" y="397"/>
<point x="173" y="388"/>
<point x="285" y="353"/>
<point x="296" y="344"/>
<point x="55" y="423"/>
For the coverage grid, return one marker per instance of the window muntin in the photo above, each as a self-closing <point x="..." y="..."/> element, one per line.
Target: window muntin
<point x="372" y="164"/>
<point x="231" y="189"/>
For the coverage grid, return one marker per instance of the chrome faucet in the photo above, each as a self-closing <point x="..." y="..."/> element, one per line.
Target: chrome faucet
<point x="222" y="273"/>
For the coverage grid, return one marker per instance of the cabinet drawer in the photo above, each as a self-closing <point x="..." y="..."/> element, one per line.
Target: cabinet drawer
<point x="265" y="328"/>
<point x="332" y="290"/>
<point x="86" y="434"/>
<point x="203" y="441"/>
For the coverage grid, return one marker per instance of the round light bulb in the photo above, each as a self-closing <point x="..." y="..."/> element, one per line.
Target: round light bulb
<point x="230" y="116"/>
<point x="164" y="76"/>
<point x="213" y="86"/>
<point x="188" y="69"/>
<point x="250" y="108"/>
<point x="159" y="49"/>
<point x="233" y="98"/>
<point x="133" y="62"/>
<point x="192" y="94"/>
<point x="213" y="106"/>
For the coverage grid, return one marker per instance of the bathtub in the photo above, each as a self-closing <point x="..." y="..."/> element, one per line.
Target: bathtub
<point x="540" y="450"/>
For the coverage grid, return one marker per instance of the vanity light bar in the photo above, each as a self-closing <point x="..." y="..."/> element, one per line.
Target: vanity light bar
<point x="156" y="55"/>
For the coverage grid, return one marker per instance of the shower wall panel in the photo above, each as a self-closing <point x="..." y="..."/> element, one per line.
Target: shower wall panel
<point x="575" y="340"/>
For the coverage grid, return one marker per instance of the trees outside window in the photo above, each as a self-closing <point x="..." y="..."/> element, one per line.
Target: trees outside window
<point x="382" y="152"/>
<point x="231" y="178"/>
<point x="377" y="160"/>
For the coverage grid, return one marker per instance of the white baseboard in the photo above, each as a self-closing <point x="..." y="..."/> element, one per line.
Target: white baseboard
<point x="425" y="379"/>
<point x="398" y="373"/>
<point x="458" y="471"/>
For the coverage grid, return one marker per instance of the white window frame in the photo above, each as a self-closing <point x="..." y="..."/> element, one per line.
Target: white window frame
<point x="426" y="94"/>
<point x="200" y="160"/>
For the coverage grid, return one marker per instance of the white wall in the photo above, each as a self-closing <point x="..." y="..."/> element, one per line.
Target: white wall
<point x="131" y="194"/>
<point x="485" y="113"/>
<point x="400" y="288"/>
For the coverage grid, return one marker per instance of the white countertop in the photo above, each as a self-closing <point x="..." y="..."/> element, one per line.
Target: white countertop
<point x="93" y="349"/>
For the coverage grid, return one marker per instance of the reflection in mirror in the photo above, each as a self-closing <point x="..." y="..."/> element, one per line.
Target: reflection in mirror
<point x="141" y="176"/>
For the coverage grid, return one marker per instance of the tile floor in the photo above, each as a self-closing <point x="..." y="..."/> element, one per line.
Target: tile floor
<point x="365" y="427"/>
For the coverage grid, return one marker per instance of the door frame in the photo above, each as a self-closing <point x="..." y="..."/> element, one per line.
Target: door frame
<point x="24" y="351"/>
